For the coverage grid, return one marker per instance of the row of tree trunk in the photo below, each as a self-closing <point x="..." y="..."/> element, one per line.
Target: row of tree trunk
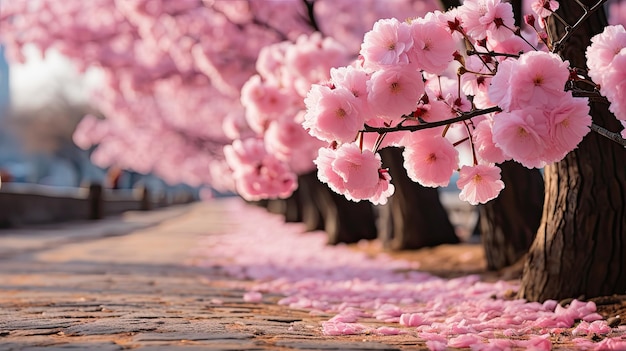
<point x="576" y="231"/>
<point x="414" y="216"/>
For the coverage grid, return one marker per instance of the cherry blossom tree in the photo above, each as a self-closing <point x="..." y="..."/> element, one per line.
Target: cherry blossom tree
<point x="515" y="95"/>
<point x="272" y="99"/>
<point x="175" y="72"/>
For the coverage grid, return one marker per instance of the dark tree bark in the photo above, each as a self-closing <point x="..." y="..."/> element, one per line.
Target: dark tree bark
<point x="346" y="221"/>
<point x="508" y="223"/>
<point x="580" y="248"/>
<point x="276" y="206"/>
<point x="293" y="207"/>
<point x="448" y="4"/>
<point x="413" y="217"/>
<point x="343" y="220"/>
<point x="311" y="212"/>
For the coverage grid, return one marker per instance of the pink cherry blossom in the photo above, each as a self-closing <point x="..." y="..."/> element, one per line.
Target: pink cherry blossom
<point x="386" y="44"/>
<point x="332" y="114"/>
<point x="325" y="171"/>
<point x="487" y="19"/>
<point x="242" y="154"/>
<point x="434" y="110"/>
<point x="433" y="45"/>
<point x="603" y="49"/>
<point x="263" y="103"/>
<point x="473" y="83"/>
<point x="354" y="80"/>
<point x="523" y="135"/>
<point x="479" y="183"/>
<point x="484" y="145"/>
<point x="256" y="173"/>
<point x="429" y="159"/>
<point x="285" y="138"/>
<point x="394" y="92"/>
<point x="568" y="122"/>
<point x="354" y="173"/>
<point x="613" y="85"/>
<point x="447" y="90"/>
<point x="534" y="79"/>
<point x="544" y="8"/>
<point x="515" y="45"/>
<point x="358" y="169"/>
<point x="271" y="178"/>
<point x="378" y="194"/>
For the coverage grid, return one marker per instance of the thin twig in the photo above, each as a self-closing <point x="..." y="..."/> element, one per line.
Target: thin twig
<point x="588" y="11"/>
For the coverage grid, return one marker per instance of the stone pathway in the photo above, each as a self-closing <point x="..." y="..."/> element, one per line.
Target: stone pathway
<point x="129" y="283"/>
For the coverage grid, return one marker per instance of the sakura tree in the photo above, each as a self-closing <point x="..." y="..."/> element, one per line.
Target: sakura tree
<point x="174" y="72"/>
<point x="273" y="99"/>
<point x="469" y="76"/>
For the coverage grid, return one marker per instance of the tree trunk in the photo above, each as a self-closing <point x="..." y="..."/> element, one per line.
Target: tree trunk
<point x="293" y="207"/>
<point x="343" y="220"/>
<point x="414" y="217"/>
<point x="508" y="223"/>
<point x="276" y="206"/>
<point x="346" y="221"/>
<point x="580" y="248"/>
<point x="311" y="212"/>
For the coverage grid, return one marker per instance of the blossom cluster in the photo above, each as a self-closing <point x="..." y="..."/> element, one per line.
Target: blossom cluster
<point x="444" y="66"/>
<point x="273" y="103"/>
<point x="606" y="59"/>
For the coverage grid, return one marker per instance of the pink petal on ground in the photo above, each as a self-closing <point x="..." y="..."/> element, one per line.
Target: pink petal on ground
<point x="611" y="344"/>
<point x="436" y="345"/>
<point x="388" y="331"/>
<point x="494" y="345"/>
<point x="466" y="340"/>
<point x="537" y="343"/>
<point x="432" y="337"/>
<point x="253" y="296"/>
<point x="340" y="328"/>
<point x="412" y="319"/>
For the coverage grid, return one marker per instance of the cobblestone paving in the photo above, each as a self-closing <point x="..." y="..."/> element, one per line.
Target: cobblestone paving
<point x="126" y="283"/>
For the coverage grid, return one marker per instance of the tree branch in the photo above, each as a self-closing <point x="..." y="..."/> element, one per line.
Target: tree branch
<point x="569" y="30"/>
<point x="463" y="117"/>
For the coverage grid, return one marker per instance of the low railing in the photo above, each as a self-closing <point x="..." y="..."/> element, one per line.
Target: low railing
<point x="22" y="204"/>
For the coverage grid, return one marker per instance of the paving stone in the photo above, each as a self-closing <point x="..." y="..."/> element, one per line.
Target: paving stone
<point x="178" y="336"/>
<point x="106" y="346"/>
<point x="204" y="347"/>
<point x="28" y="324"/>
<point x="335" y="345"/>
<point x="117" y="326"/>
<point x="193" y="326"/>
<point x="134" y="292"/>
<point x="35" y="332"/>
